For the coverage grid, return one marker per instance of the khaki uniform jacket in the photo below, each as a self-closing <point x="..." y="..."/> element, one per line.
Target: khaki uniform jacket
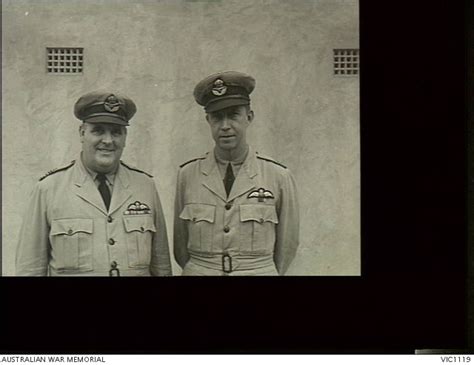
<point x="207" y="223"/>
<point x="68" y="231"/>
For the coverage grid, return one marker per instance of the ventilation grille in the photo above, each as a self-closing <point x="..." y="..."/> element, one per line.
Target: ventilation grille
<point x="346" y="62"/>
<point x="65" y="61"/>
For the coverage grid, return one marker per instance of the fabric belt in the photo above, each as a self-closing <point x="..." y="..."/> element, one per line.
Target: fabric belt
<point x="229" y="262"/>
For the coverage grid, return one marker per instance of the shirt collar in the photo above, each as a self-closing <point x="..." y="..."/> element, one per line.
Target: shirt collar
<point x="238" y="161"/>
<point x="110" y="176"/>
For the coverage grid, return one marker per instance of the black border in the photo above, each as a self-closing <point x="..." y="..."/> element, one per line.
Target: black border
<point x="414" y="231"/>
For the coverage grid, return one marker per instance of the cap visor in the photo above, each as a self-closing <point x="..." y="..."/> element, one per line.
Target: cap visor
<point x="106" y="119"/>
<point x="225" y="103"/>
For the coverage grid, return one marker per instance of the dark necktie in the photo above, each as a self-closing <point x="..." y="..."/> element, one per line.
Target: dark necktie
<point x="228" y="179"/>
<point x="104" y="189"/>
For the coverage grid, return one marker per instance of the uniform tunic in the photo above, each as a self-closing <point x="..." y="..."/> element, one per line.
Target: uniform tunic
<point x="253" y="231"/>
<point x="67" y="230"/>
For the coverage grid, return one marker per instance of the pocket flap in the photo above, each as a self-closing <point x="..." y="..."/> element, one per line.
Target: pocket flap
<point x="71" y="226"/>
<point x="258" y="213"/>
<point x="198" y="213"/>
<point x="139" y="224"/>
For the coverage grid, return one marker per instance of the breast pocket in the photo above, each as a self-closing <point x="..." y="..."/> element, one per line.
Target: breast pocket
<point x="200" y="218"/>
<point x="139" y="231"/>
<point x="257" y="231"/>
<point x="72" y="244"/>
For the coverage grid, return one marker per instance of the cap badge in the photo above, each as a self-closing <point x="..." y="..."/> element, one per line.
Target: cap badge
<point x="261" y="194"/>
<point x="219" y="88"/>
<point x="111" y="104"/>
<point x="137" y="208"/>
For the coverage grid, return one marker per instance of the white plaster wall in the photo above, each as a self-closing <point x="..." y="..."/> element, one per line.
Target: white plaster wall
<point x="155" y="52"/>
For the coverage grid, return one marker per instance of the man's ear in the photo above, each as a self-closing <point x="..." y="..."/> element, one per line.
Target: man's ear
<point x="81" y="132"/>
<point x="207" y="117"/>
<point x="250" y="115"/>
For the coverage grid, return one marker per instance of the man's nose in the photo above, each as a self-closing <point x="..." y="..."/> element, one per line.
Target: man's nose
<point x="107" y="137"/>
<point x="225" y="124"/>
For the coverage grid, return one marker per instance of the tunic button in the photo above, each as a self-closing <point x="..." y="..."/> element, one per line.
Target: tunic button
<point x="109" y="219"/>
<point x="111" y="241"/>
<point x="228" y="206"/>
<point x="69" y="232"/>
<point x="142" y="229"/>
<point x="226" y="229"/>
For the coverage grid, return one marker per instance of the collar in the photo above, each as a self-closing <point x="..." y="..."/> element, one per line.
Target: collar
<point x="83" y="173"/>
<point x="238" y="161"/>
<point x="249" y="164"/>
<point x="110" y="176"/>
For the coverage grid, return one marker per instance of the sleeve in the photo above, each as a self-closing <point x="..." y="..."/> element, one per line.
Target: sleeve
<point x="287" y="230"/>
<point x="32" y="253"/>
<point x="160" y="261"/>
<point x="180" y="233"/>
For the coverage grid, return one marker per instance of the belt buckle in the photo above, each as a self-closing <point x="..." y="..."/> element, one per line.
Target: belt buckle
<point x="227" y="259"/>
<point x="114" y="269"/>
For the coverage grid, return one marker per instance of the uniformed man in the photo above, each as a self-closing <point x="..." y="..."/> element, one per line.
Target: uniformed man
<point x="236" y="211"/>
<point x="97" y="216"/>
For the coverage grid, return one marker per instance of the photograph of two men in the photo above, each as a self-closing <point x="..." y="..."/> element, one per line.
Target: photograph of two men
<point x="195" y="138"/>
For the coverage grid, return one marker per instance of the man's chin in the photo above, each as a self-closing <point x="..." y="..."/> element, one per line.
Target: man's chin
<point x="106" y="165"/>
<point x="227" y="146"/>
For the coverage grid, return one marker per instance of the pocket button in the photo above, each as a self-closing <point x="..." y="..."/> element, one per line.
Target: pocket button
<point x="261" y="220"/>
<point x="69" y="232"/>
<point x="142" y="229"/>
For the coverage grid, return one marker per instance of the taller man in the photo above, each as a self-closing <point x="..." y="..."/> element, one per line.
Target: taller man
<point x="236" y="211"/>
<point x="96" y="216"/>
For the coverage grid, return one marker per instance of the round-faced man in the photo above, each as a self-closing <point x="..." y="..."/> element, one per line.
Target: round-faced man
<point x="96" y="216"/>
<point x="236" y="211"/>
<point x="102" y="145"/>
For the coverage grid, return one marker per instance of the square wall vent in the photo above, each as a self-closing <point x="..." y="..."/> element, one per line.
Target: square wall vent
<point x="64" y="60"/>
<point x="346" y="62"/>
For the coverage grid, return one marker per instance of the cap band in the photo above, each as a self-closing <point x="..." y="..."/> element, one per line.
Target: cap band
<point x="98" y="109"/>
<point x="226" y="102"/>
<point x="230" y="91"/>
<point x="105" y="118"/>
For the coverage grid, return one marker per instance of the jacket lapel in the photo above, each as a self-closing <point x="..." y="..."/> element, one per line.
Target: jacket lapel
<point x="212" y="178"/>
<point x="245" y="179"/>
<point x="121" y="192"/>
<point x="84" y="187"/>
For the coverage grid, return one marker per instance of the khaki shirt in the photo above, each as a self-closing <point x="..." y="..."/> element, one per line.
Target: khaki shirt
<point x="67" y="230"/>
<point x="259" y="219"/>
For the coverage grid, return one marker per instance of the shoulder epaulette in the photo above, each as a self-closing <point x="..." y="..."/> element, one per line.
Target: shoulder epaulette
<point x="135" y="169"/>
<point x="51" y="172"/>
<point x="270" y="160"/>
<point x="194" y="159"/>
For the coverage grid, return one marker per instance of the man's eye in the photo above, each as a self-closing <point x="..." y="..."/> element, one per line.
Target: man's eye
<point x="97" y="131"/>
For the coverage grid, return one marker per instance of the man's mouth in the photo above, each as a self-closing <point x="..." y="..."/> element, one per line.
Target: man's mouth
<point x="106" y="150"/>
<point x="225" y="137"/>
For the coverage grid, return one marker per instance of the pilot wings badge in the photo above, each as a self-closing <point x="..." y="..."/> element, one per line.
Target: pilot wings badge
<point x="261" y="194"/>
<point x="137" y="208"/>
